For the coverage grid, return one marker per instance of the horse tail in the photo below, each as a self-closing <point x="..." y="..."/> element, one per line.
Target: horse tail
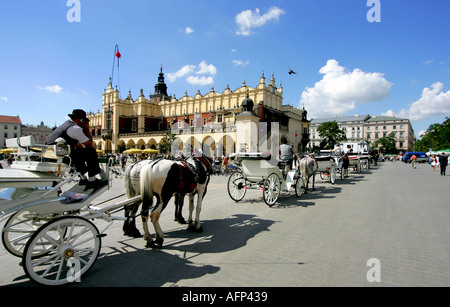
<point x="303" y="170"/>
<point x="145" y="183"/>
<point x="129" y="191"/>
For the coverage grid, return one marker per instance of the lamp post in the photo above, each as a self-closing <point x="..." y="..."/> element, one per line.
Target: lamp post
<point x="107" y="132"/>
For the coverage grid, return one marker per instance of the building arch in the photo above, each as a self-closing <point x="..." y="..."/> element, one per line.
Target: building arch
<point x="140" y="144"/>
<point x="131" y="144"/>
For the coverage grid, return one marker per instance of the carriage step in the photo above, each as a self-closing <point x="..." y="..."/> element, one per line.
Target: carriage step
<point x="102" y="235"/>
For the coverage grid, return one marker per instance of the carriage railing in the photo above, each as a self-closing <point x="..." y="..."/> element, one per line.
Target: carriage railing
<point x="38" y="179"/>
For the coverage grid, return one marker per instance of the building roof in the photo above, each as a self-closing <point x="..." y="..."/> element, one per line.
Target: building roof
<point x="10" y="119"/>
<point x="340" y="119"/>
<point x="384" y="118"/>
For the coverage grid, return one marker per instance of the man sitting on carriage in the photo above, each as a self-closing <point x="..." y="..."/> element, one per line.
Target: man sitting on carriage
<point x="77" y="134"/>
<point x="286" y="154"/>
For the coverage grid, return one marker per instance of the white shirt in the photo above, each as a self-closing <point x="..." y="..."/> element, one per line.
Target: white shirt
<point x="76" y="132"/>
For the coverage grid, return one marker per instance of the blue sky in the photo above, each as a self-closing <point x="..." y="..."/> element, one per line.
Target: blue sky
<point x="345" y="64"/>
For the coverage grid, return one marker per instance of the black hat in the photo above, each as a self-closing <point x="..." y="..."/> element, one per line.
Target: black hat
<point x="78" y="113"/>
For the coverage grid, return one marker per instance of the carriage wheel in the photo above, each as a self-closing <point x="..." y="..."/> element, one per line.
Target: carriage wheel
<point x="322" y="175"/>
<point x="299" y="187"/>
<point x="271" y="191"/>
<point x="18" y="229"/>
<point x="71" y="246"/>
<point x="333" y="174"/>
<point x="236" y="186"/>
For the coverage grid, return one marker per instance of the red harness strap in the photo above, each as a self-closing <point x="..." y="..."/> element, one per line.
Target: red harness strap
<point x="181" y="183"/>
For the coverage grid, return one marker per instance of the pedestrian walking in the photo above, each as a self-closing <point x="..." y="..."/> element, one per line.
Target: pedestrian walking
<point x="433" y="162"/>
<point x="443" y="163"/>
<point x="414" y="161"/>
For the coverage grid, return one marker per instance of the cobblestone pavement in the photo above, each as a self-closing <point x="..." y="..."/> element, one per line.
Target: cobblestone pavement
<point x="393" y="213"/>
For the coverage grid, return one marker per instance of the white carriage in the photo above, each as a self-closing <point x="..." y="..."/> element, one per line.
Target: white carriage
<point x="49" y="215"/>
<point x="328" y="167"/>
<point x="257" y="171"/>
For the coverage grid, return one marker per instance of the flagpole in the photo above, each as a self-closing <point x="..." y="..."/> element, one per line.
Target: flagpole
<point x="116" y="55"/>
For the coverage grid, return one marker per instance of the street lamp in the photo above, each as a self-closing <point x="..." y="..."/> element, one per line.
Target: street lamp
<point x="107" y="132"/>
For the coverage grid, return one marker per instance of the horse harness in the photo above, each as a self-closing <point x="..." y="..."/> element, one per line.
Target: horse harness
<point x="195" y="169"/>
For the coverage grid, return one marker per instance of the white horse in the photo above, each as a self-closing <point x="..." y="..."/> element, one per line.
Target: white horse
<point x="162" y="179"/>
<point x="308" y="168"/>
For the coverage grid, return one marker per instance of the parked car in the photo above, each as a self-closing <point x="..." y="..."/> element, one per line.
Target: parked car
<point x="421" y="157"/>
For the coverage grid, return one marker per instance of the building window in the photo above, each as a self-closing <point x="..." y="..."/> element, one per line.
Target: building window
<point x="376" y="135"/>
<point x="219" y="118"/>
<point x="133" y="125"/>
<point x="368" y="135"/>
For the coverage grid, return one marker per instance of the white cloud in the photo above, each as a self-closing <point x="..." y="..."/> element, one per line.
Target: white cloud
<point x="204" y="68"/>
<point x="188" y="30"/>
<point x="172" y="77"/>
<point x="248" y="19"/>
<point x="51" y="88"/>
<point x="434" y="101"/>
<point x="196" y="80"/>
<point x="339" y="91"/>
<point x="240" y="63"/>
<point x="4" y="98"/>
<point x="194" y="72"/>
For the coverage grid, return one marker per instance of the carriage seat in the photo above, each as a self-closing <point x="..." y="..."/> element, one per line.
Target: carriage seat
<point x="36" y="157"/>
<point x="254" y="156"/>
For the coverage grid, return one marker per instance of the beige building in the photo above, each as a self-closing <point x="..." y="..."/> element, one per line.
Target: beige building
<point x="202" y="119"/>
<point x="10" y="127"/>
<point x="40" y="132"/>
<point x="353" y="126"/>
<point x="381" y="126"/>
<point x="368" y="129"/>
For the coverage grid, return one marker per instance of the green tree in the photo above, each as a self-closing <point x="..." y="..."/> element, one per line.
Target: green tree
<point x="387" y="144"/>
<point x="331" y="134"/>
<point x="436" y="137"/>
<point x="166" y="142"/>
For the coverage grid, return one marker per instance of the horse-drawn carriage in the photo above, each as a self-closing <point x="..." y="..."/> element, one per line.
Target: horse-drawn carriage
<point x="328" y="167"/>
<point x="260" y="171"/>
<point x="49" y="215"/>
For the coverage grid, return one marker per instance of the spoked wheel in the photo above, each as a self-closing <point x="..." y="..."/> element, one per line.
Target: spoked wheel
<point x="18" y="229"/>
<point x="333" y="174"/>
<point x="272" y="188"/>
<point x="322" y="175"/>
<point x="236" y="186"/>
<point x="342" y="173"/>
<point x="71" y="246"/>
<point x="299" y="187"/>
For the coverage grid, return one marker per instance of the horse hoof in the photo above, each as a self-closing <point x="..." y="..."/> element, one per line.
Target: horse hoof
<point x="195" y="229"/>
<point x="153" y="244"/>
<point x="182" y="221"/>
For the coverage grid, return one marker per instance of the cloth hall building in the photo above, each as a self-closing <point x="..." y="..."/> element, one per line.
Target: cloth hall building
<point x="202" y="119"/>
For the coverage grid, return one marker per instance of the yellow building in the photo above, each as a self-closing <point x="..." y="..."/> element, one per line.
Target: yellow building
<point x="202" y="119"/>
